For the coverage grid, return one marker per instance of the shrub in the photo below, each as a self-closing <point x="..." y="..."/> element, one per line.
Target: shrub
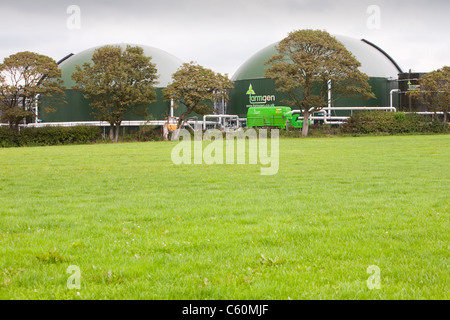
<point x="369" y="122"/>
<point x="7" y="137"/>
<point x="47" y="136"/>
<point x="291" y="133"/>
<point x="145" y="133"/>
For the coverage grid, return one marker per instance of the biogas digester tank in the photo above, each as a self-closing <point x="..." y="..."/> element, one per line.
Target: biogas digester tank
<point x="253" y="89"/>
<point x="78" y="108"/>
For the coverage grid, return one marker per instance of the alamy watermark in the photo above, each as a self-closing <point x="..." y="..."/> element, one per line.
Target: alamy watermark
<point x="73" y="22"/>
<point x="374" y="19"/>
<point x="190" y="150"/>
<point x="74" y="280"/>
<point x="374" y="281"/>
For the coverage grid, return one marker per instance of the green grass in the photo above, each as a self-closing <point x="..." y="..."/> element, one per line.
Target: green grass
<point x="140" y="227"/>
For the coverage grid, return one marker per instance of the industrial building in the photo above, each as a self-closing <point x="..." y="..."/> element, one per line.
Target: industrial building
<point x="78" y="109"/>
<point x="379" y="66"/>
<point x="386" y="80"/>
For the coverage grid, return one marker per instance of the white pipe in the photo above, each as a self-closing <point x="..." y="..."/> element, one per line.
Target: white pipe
<point x="220" y="117"/>
<point x="171" y="107"/>
<point x="347" y="108"/>
<point x="326" y="117"/>
<point x="363" y="108"/>
<point x="299" y="111"/>
<point x="321" y="117"/>
<point x="428" y="112"/>
<point x="325" y="120"/>
<point x="391" y="97"/>
<point x="329" y="98"/>
<point x="36" y="106"/>
<point x="96" y="123"/>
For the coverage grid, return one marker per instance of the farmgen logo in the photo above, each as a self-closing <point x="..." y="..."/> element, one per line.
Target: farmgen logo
<point x="259" y="100"/>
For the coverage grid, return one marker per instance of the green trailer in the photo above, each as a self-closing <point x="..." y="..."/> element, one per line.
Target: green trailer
<point x="277" y="117"/>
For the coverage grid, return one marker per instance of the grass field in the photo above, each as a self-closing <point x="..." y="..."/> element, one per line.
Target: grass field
<point x="140" y="227"/>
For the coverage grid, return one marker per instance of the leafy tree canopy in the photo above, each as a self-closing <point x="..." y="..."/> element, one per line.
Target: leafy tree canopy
<point x="197" y="88"/>
<point x="25" y="76"/>
<point x="117" y="83"/>
<point x="306" y="61"/>
<point x="434" y="91"/>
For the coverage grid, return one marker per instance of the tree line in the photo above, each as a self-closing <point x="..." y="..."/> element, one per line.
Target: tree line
<point x="122" y="81"/>
<point x="118" y="82"/>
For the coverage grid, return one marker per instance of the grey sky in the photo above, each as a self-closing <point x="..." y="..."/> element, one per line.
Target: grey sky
<point x="222" y="35"/>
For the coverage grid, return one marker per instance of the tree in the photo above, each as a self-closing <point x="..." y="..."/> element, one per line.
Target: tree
<point x="24" y="77"/>
<point x="434" y="91"/>
<point x="197" y="88"/>
<point x="119" y="82"/>
<point x="306" y="60"/>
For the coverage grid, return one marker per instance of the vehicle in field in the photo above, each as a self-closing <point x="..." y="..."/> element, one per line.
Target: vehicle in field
<point x="279" y="117"/>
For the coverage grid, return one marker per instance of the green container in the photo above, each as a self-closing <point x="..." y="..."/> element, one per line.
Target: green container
<point x="272" y="117"/>
<point x="295" y="122"/>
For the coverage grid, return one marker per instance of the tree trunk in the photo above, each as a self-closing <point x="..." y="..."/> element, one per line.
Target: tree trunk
<point x="25" y="108"/>
<point x="445" y="116"/>
<point x="182" y="116"/>
<point x="166" y="132"/>
<point x="111" y="131"/>
<point x="14" y="126"/>
<point x="116" y="137"/>
<point x="305" y="123"/>
<point x="175" y="135"/>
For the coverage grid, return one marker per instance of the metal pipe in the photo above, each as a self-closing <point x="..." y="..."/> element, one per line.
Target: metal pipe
<point x="363" y="108"/>
<point x="329" y="98"/>
<point x="36" y="106"/>
<point x="428" y="112"/>
<point x="327" y="116"/>
<point x="391" y="97"/>
<point x="220" y="117"/>
<point x="95" y="123"/>
<point x="347" y="108"/>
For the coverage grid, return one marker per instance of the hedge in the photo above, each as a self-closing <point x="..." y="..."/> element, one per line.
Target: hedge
<point x="367" y="122"/>
<point x="48" y="136"/>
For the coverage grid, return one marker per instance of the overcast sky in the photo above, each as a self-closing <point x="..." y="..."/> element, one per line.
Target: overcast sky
<point x="222" y="35"/>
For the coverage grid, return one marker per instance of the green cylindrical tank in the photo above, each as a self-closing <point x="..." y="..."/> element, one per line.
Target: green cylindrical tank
<point x="78" y="108"/>
<point x="380" y="68"/>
